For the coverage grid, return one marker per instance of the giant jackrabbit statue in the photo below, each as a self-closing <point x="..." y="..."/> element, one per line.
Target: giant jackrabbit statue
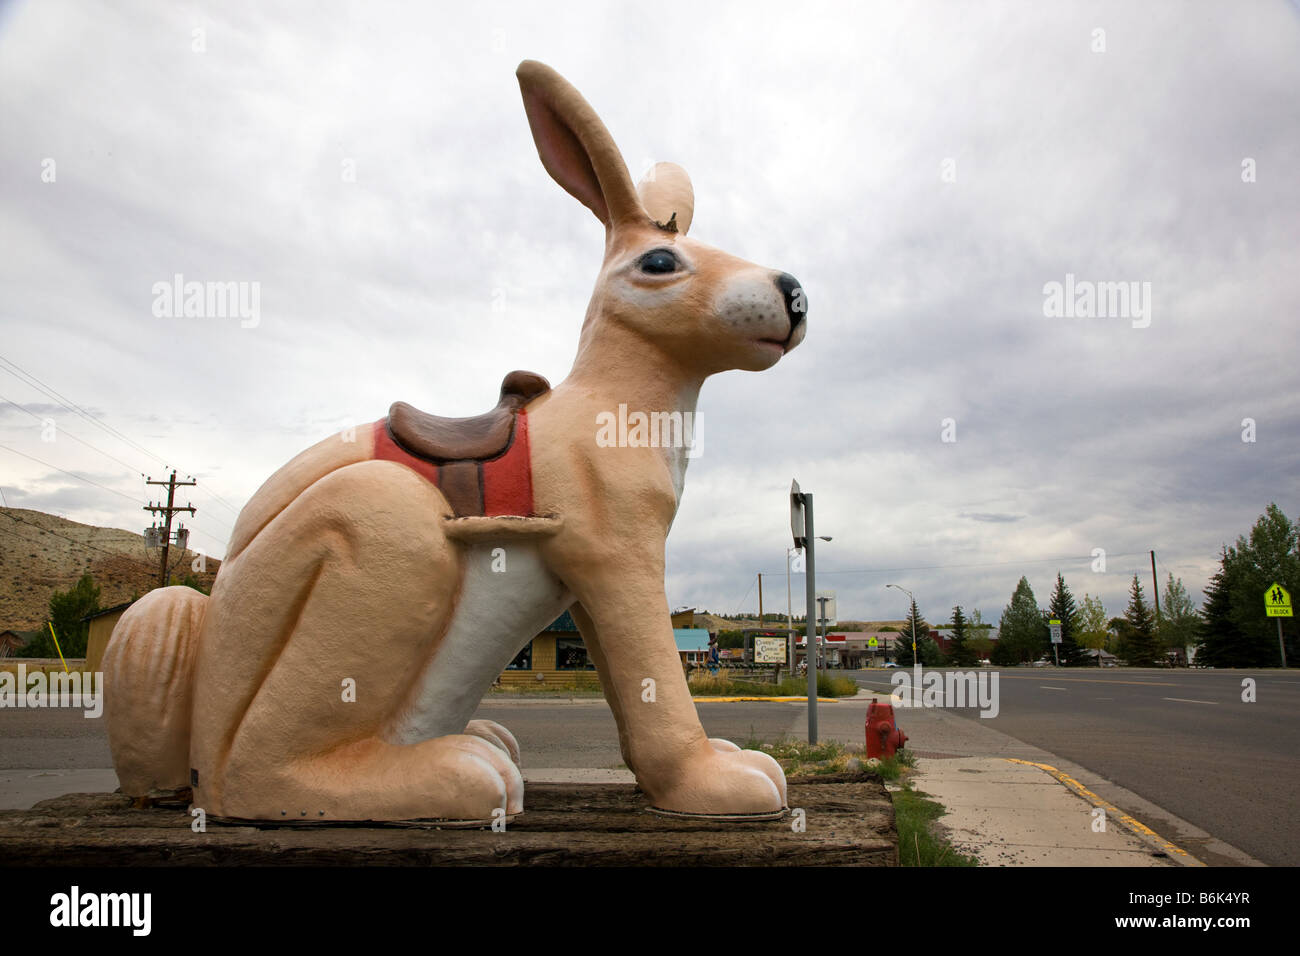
<point x="358" y="618"/>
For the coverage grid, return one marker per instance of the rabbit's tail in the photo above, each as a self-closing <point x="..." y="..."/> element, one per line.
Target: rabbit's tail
<point x="149" y="691"/>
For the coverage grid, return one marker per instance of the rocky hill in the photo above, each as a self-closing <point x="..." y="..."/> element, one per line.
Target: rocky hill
<point x="42" y="553"/>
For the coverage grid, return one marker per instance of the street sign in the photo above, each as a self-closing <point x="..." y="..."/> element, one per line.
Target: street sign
<point x="1055" y="626"/>
<point x="1277" y="601"/>
<point x="872" y="642"/>
<point x="826" y="613"/>
<point x="796" y="515"/>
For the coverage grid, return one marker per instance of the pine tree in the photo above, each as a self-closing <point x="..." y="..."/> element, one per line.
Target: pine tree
<point x="1271" y="553"/>
<point x="1022" y="633"/>
<point x="924" y="646"/>
<point x="1223" y="640"/>
<point x="1141" y="648"/>
<point x="1064" y="610"/>
<point x="960" y="654"/>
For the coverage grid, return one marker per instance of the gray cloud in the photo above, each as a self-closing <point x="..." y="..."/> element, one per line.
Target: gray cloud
<point x="816" y="148"/>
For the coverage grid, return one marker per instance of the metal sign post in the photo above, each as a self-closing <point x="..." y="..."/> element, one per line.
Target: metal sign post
<point x="1055" y="627"/>
<point x="801" y="527"/>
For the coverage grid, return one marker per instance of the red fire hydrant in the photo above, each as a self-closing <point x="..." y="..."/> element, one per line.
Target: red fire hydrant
<point x="884" y="737"/>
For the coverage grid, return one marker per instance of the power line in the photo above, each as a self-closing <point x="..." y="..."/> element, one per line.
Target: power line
<point x="120" y="494"/>
<point x="742" y="599"/>
<point x="97" y="484"/>
<point x="23" y="375"/>
<point x="69" y="434"/>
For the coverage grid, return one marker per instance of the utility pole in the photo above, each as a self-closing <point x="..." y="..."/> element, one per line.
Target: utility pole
<point x="170" y="509"/>
<point x="1155" y="585"/>
<point x="760" y="598"/>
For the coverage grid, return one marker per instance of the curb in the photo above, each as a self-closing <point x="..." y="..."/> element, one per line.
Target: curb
<point x="1137" y="828"/>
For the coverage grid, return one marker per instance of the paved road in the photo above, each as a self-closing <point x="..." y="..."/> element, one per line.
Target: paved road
<point x="1183" y="739"/>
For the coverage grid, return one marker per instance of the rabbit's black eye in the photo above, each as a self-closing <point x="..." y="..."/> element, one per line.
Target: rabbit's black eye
<point x="659" y="262"/>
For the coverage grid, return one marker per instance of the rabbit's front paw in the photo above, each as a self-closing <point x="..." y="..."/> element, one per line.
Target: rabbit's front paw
<point x="727" y="780"/>
<point x="496" y="735"/>
<point x="476" y="779"/>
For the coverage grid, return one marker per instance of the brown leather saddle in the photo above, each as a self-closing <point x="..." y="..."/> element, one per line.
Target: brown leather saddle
<point x="481" y="466"/>
<point x="478" y="438"/>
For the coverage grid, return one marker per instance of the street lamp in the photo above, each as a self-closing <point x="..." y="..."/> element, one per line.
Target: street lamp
<point x="913" y="616"/>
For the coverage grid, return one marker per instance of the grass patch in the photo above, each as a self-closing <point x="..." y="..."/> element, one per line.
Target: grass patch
<point x="800" y="759"/>
<point x="546" y="689"/>
<point x="919" y="844"/>
<point x="893" y="768"/>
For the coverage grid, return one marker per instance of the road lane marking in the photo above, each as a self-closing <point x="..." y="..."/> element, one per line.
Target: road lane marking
<point x="1045" y="687"/>
<point x="1136" y="826"/>
<point x="1184" y="700"/>
<point x="1090" y="680"/>
<point x="1076" y="680"/>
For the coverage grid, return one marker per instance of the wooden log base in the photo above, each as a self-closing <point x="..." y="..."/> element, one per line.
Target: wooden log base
<point x="848" y="820"/>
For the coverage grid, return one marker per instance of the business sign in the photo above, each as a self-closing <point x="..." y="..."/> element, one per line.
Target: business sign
<point x="769" y="650"/>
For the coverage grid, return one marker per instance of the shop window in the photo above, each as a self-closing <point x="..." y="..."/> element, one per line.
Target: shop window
<point x="571" y="655"/>
<point x="523" y="660"/>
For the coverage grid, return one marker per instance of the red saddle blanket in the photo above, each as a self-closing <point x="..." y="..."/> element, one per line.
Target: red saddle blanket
<point x="493" y="486"/>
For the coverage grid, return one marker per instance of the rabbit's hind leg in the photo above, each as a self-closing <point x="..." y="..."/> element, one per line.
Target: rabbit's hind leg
<point x="372" y="580"/>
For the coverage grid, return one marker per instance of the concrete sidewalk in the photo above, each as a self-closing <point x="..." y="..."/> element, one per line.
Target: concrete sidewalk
<point x="21" y="789"/>
<point x="1012" y="804"/>
<point x="1008" y="813"/>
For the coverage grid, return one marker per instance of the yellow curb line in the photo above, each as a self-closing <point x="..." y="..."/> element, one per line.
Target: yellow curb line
<point x="1141" y="829"/>
<point x="733" y="700"/>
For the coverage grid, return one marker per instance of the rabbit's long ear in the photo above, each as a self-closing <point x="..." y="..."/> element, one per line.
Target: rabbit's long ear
<point x="575" y="147"/>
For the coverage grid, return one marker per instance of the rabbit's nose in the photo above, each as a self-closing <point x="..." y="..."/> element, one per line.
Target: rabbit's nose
<point x="796" y="303"/>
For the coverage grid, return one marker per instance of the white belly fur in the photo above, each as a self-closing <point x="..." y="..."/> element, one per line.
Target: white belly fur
<point x="499" y="612"/>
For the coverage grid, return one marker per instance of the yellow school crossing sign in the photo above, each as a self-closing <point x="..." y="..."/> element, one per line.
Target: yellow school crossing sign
<point x="1277" y="602"/>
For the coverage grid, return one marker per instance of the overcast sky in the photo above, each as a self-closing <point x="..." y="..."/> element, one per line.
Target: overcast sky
<point x="925" y="170"/>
